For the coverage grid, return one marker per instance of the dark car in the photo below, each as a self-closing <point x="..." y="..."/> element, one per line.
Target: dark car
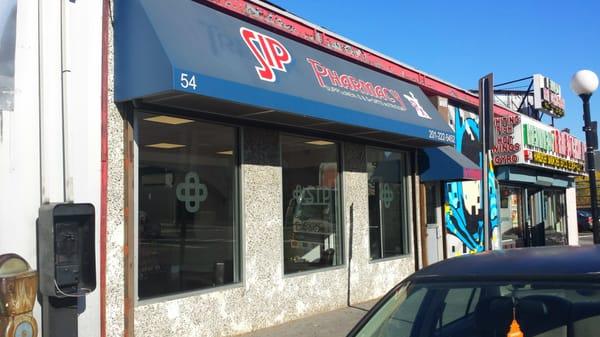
<point x="543" y="292"/>
<point x="584" y="220"/>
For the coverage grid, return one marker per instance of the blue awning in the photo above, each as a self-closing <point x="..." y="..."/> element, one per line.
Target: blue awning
<point x="534" y="176"/>
<point x="185" y="55"/>
<point x="444" y="163"/>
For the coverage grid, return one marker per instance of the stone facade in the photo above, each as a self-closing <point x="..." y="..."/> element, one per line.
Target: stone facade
<point x="265" y="296"/>
<point x="368" y="279"/>
<point x="115" y="226"/>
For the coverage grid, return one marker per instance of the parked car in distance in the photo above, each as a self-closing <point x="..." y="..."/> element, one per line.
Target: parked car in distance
<point x="542" y="291"/>
<point x="584" y="220"/>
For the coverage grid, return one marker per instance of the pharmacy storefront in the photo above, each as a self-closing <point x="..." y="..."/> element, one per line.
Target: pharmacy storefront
<point x="536" y="165"/>
<point x="266" y="179"/>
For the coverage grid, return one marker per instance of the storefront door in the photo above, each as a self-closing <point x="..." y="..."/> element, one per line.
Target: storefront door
<point x="512" y="222"/>
<point x="536" y="211"/>
<point x="433" y="223"/>
<point x="555" y="221"/>
<point x="532" y="217"/>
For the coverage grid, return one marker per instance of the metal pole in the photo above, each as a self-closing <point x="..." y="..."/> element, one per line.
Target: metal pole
<point x="591" y="140"/>
<point x="486" y="203"/>
<point x="486" y="118"/>
<point x="525" y="97"/>
<point x="59" y="317"/>
<point x="509" y="82"/>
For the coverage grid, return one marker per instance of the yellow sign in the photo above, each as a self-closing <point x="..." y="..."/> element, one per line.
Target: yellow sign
<point x="556" y="162"/>
<point x="583" y="190"/>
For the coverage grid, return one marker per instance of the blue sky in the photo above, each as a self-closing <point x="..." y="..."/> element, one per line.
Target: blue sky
<point x="461" y="41"/>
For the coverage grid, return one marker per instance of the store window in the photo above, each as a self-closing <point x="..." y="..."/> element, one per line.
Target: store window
<point x="188" y="232"/>
<point x="388" y="210"/>
<point x="311" y="204"/>
<point x="431" y="204"/>
<point x="8" y="20"/>
<point x="511" y="217"/>
<point x="555" y="222"/>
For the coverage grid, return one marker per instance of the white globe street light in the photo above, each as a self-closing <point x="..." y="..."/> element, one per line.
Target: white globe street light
<point x="584" y="83"/>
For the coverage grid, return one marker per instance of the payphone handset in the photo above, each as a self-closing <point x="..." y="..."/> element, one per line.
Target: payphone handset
<point x="66" y="249"/>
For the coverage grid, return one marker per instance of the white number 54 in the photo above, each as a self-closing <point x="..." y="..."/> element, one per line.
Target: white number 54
<point x="187" y="81"/>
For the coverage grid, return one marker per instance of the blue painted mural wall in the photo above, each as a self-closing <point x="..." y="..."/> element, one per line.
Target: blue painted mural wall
<point x="463" y="204"/>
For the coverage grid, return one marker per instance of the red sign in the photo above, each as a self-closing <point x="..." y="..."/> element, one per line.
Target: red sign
<point x="270" y="53"/>
<point x="506" y="148"/>
<point x="568" y="146"/>
<point x="357" y="85"/>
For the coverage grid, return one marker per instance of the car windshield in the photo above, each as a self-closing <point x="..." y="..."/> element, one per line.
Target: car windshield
<point x="488" y="309"/>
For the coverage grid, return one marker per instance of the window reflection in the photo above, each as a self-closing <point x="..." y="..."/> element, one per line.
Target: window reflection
<point x="311" y="204"/>
<point x="511" y="222"/>
<point x="8" y="18"/>
<point x="388" y="211"/>
<point x="546" y="211"/>
<point x="556" y="229"/>
<point x="187" y="229"/>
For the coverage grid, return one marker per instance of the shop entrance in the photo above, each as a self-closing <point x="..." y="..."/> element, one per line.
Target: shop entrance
<point x="532" y="216"/>
<point x="512" y="224"/>
<point x="535" y="208"/>
<point x="548" y="223"/>
<point x="431" y="221"/>
<point x="521" y="217"/>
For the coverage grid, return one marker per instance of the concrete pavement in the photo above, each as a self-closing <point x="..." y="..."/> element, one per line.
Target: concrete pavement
<point x="335" y="323"/>
<point x="586" y="238"/>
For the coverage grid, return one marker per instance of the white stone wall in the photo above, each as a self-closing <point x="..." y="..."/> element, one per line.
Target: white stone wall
<point x="368" y="278"/>
<point x="115" y="215"/>
<point x="266" y="296"/>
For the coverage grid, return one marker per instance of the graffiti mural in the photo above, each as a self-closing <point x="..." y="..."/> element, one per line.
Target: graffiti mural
<point x="463" y="204"/>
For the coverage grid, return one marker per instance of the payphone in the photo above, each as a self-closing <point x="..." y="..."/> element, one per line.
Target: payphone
<point x="66" y="264"/>
<point x="18" y="287"/>
<point x="66" y="249"/>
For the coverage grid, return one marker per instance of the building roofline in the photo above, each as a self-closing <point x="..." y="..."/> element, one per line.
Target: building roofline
<point x="281" y="11"/>
<point x="426" y="81"/>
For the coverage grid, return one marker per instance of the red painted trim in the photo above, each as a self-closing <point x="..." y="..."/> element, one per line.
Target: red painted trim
<point x="287" y="25"/>
<point x="472" y="174"/>
<point x="103" y="162"/>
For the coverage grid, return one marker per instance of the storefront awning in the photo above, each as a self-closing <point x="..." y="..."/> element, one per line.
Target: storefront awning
<point x="444" y="163"/>
<point x="533" y="176"/>
<point x="184" y="54"/>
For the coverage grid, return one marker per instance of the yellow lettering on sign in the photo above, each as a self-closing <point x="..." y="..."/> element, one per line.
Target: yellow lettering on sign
<point x="556" y="162"/>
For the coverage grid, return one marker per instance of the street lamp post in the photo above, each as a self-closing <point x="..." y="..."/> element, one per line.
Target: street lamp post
<point x="584" y="83"/>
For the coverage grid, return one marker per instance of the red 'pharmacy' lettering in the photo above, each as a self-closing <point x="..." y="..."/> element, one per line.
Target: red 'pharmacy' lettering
<point x="350" y="82"/>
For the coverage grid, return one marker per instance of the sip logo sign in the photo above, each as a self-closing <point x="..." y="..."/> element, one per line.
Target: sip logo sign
<point x="270" y="53"/>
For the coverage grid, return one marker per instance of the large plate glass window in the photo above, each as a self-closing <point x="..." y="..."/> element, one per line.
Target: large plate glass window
<point x="311" y="228"/>
<point x="388" y="210"/>
<point x="556" y="226"/>
<point x="187" y="213"/>
<point x="8" y="27"/>
<point x="511" y="222"/>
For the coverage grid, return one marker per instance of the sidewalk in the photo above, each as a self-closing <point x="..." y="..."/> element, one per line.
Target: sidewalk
<point x="335" y="323"/>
